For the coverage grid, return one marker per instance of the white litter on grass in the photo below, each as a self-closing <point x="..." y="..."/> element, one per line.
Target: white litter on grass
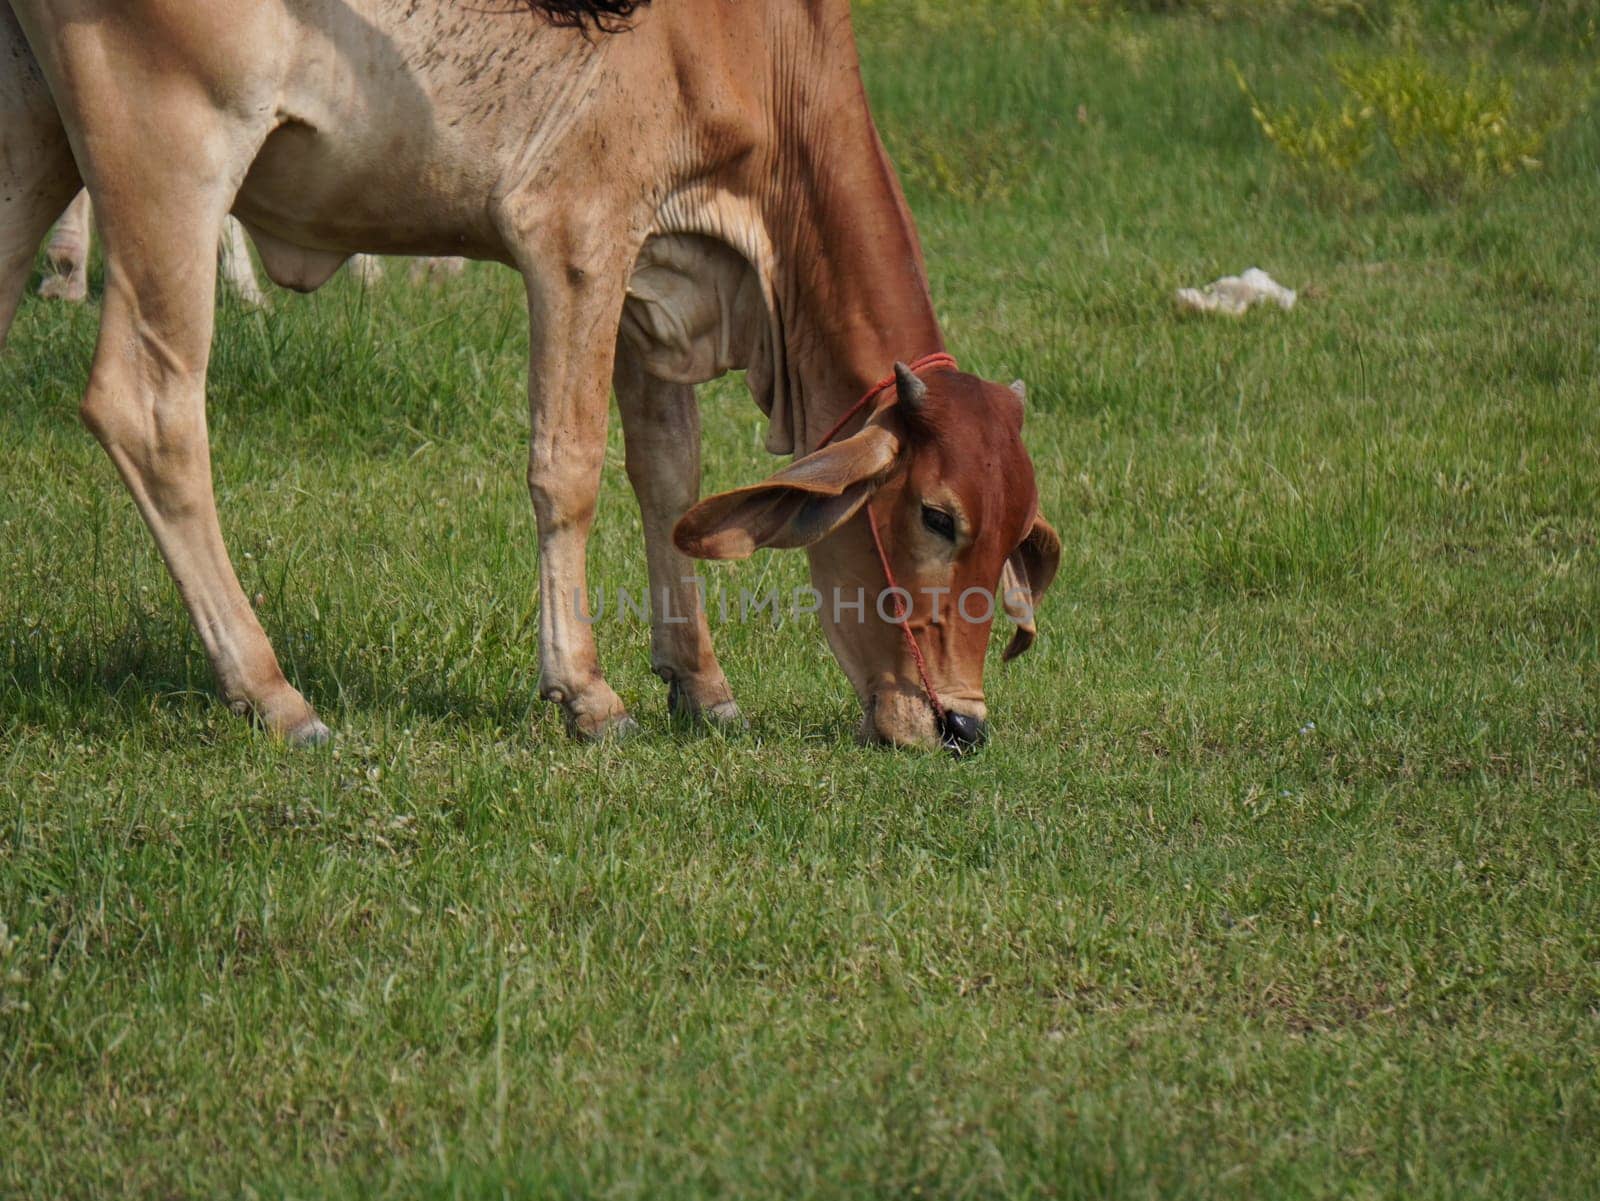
<point x="1233" y="294"/>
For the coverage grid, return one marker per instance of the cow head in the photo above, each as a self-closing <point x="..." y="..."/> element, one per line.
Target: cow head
<point x="943" y="472"/>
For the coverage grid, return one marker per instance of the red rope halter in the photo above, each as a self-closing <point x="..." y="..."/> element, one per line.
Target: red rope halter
<point x="902" y="613"/>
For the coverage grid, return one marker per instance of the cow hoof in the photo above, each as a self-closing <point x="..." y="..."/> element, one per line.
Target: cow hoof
<point x="310" y="734"/>
<point x="725" y="716"/>
<point x="616" y="728"/>
<point x="286" y="715"/>
<point x="594" y="714"/>
<point x="71" y="289"/>
<point x="717" y="715"/>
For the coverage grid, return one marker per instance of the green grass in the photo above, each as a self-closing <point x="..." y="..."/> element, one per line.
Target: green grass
<point x="1281" y="879"/>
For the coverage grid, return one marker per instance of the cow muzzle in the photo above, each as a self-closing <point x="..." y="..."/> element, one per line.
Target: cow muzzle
<point x="962" y="732"/>
<point x="901" y="716"/>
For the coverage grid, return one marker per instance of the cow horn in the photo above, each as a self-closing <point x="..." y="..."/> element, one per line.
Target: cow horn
<point x="913" y="392"/>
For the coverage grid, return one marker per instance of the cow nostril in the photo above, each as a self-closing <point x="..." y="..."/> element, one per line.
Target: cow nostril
<point x="963" y="732"/>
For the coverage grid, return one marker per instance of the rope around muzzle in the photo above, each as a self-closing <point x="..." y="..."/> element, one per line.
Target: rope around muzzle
<point x="902" y="611"/>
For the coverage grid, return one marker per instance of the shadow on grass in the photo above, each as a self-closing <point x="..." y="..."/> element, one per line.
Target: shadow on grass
<point x="129" y="679"/>
<point x="141" y="677"/>
<point x="132" y="678"/>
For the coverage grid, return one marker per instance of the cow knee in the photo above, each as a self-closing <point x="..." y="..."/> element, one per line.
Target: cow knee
<point x="663" y="488"/>
<point x="561" y="484"/>
<point x="646" y="472"/>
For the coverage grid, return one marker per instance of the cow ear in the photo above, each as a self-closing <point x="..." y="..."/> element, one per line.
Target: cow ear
<point x="802" y="504"/>
<point x="1018" y="601"/>
<point x="1028" y="572"/>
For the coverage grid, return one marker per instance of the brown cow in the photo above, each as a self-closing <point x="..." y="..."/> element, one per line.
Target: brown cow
<point x="708" y="183"/>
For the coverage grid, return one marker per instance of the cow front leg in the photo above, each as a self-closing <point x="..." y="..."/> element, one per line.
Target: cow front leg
<point x="661" y="427"/>
<point x="574" y="307"/>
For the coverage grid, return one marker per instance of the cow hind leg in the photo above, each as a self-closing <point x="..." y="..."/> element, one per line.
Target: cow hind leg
<point x="661" y="427"/>
<point x="436" y="270"/>
<point x="367" y="269"/>
<point x="146" y="395"/>
<point x="237" y="269"/>
<point x="37" y="173"/>
<point x="67" y="255"/>
<point x="24" y="221"/>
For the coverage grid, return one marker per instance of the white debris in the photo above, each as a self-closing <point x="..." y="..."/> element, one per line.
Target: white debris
<point x="1234" y="294"/>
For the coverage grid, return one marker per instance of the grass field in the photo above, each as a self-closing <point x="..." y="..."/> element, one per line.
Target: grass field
<point x="1281" y="878"/>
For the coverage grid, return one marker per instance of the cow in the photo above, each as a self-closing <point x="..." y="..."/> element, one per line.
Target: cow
<point x="687" y="188"/>
<point x="67" y="257"/>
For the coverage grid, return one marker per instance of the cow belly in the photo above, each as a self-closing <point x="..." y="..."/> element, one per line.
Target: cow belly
<point x="319" y="193"/>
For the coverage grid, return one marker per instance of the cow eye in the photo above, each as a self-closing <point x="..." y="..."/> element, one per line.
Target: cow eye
<point x="939" y="522"/>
